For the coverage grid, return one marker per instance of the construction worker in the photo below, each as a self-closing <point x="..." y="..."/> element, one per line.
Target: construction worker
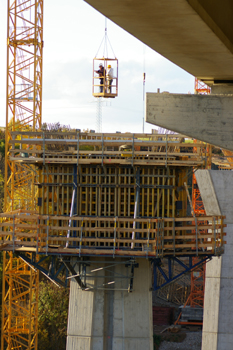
<point x="110" y="78"/>
<point x="101" y="73"/>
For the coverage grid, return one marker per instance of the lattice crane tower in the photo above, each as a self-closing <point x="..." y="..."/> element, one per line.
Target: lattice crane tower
<point x="23" y="113"/>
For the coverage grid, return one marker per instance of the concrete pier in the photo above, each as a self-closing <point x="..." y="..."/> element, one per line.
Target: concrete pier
<point x="106" y="316"/>
<point x="216" y="189"/>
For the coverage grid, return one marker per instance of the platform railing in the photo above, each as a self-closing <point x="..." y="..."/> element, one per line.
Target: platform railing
<point x="85" y="148"/>
<point x="116" y="236"/>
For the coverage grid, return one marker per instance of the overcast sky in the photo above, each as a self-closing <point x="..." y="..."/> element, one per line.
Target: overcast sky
<point x="73" y="32"/>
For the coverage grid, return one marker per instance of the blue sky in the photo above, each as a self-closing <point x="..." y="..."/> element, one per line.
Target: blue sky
<point x="72" y="35"/>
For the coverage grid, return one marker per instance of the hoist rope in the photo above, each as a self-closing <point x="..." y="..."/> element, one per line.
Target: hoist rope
<point x="106" y="42"/>
<point x="143" y="88"/>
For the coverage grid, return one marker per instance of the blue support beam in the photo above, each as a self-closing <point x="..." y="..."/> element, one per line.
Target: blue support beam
<point x="75" y="181"/>
<point x="168" y="276"/>
<point x="56" y="266"/>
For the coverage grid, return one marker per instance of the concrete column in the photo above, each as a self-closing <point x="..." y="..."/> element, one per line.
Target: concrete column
<point x="103" y="319"/>
<point x="216" y="189"/>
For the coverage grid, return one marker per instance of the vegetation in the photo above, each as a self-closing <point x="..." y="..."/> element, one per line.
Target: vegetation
<point x="53" y="129"/>
<point x="53" y="314"/>
<point x="169" y="337"/>
<point x="2" y="148"/>
<point x="157" y="341"/>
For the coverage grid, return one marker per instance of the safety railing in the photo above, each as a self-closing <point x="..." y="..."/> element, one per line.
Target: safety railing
<point x="86" y="148"/>
<point x="150" y="237"/>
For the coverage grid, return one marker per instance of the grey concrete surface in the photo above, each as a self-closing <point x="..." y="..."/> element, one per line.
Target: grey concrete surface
<point x="194" y="34"/>
<point x="112" y="319"/>
<point x="207" y="118"/>
<point x="208" y="193"/>
<point x="216" y="189"/>
<point x="223" y="185"/>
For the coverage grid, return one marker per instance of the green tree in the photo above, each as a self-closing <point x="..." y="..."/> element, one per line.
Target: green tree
<point x="53" y="314"/>
<point x="2" y="148"/>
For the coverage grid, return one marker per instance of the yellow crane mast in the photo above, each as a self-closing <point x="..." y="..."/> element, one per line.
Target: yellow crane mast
<point x="23" y="113"/>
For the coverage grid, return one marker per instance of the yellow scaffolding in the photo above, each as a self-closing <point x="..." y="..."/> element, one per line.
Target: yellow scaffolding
<point x="20" y="297"/>
<point x="23" y="112"/>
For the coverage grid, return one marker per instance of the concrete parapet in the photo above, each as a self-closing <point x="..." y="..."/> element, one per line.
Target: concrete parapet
<point x="216" y="191"/>
<point x="104" y="318"/>
<point x="207" y="118"/>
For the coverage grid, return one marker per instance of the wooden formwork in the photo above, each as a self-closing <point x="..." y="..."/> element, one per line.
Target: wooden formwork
<point x="110" y="191"/>
<point x="110" y="194"/>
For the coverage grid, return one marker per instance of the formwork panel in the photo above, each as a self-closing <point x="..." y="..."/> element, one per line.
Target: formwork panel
<point x="108" y="191"/>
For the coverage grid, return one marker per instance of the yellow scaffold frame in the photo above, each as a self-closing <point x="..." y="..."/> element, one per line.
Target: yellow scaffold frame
<point x="23" y="112"/>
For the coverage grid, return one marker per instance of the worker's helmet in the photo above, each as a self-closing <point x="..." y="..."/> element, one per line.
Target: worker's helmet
<point x="100" y="65"/>
<point x="109" y="66"/>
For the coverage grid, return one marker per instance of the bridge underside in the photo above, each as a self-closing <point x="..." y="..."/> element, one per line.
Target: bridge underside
<point x="196" y="35"/>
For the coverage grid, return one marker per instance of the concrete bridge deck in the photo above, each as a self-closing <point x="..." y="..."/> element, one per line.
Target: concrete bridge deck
<point x="196" y="35"/>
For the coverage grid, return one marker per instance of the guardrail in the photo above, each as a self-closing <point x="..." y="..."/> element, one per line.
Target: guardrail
<point x="85" y="148"/>
<point x="150" y="237"/>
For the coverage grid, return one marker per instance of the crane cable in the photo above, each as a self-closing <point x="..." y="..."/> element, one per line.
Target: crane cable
<point x="106" y="41"/>
<point x="143" y="89"/>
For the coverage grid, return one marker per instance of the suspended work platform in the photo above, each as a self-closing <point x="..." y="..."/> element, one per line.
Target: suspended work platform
<point x="105" y="70"/>
<point x="105" y="80"/>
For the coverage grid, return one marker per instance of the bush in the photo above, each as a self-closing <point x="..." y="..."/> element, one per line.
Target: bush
<point x="157" y="341"/>
<point x="53" y="313"/>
